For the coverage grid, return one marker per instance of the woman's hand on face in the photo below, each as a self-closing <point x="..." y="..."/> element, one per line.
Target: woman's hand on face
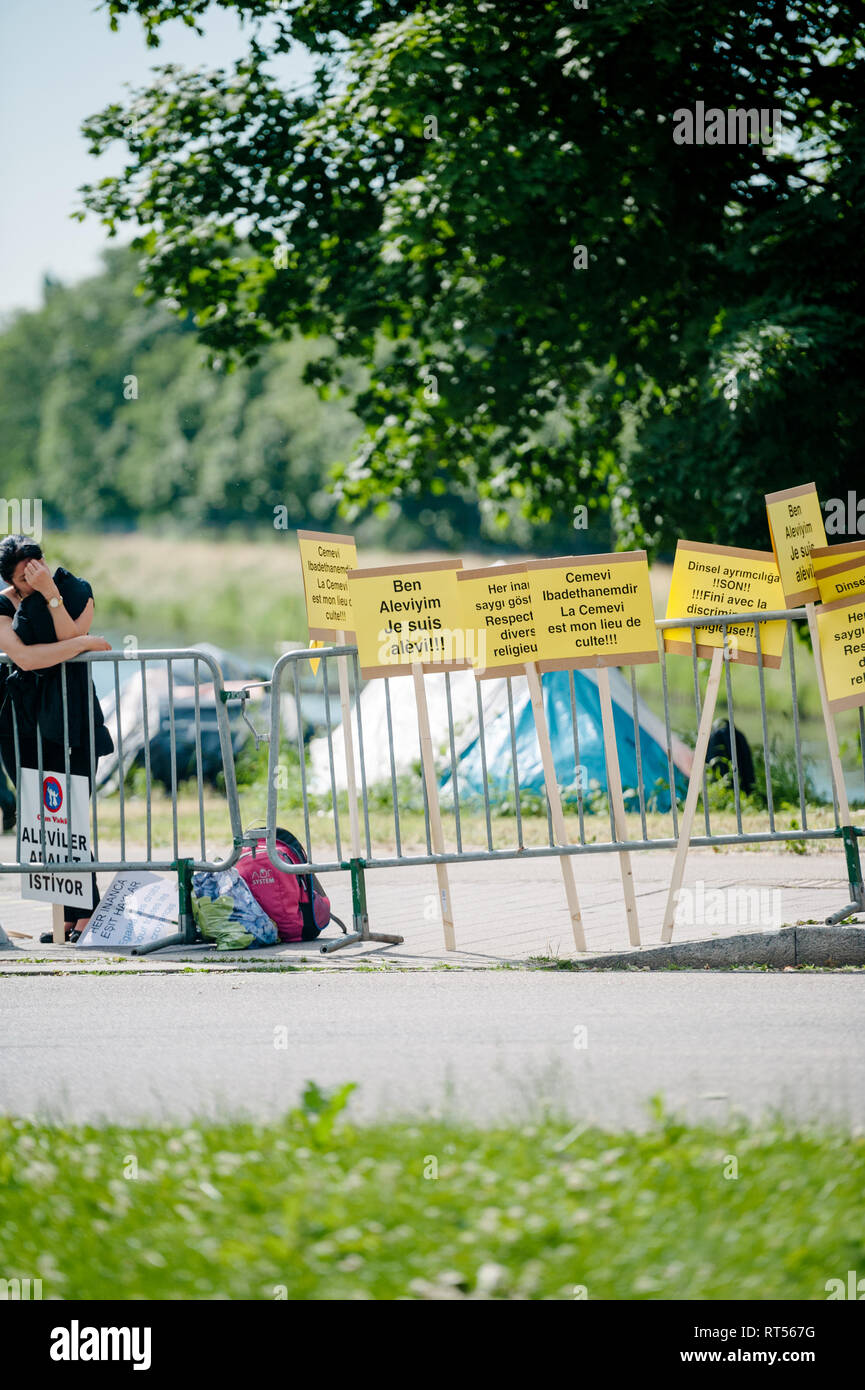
<point x="38" y="576"/>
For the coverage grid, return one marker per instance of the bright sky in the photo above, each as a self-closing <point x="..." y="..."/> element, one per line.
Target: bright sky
<point x="60" y="62"/>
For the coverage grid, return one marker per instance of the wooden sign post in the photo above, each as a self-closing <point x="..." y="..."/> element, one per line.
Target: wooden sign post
<point x="595" y="611"/>
<point x="435" y="819"/>
<point x="405" y="618"/>
<point x="496" y="603"/>
<point x="58" y="924"/>
<point x="557" y="815"/>
<point x="713" y="580"/>
<point x="617" y="801"/>
<point x="325" y="561"/>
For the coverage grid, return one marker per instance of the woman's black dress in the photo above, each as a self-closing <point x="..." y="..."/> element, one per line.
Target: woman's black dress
<point x="37" y="699"/>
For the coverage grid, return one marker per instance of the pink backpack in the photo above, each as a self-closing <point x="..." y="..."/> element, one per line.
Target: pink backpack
<point x="296" y="903"/>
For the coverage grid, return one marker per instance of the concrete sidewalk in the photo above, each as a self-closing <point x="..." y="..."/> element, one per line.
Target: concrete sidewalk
<point x="509" y="912"/>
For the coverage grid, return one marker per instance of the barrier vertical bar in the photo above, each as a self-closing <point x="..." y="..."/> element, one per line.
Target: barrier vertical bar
<point x="694" y="786"/>
<point x="482" y="744"/>
<point x="393" y="782"/>
<point x="360" y="916"/>
<point x="578" y="767"/>
<point x="185" y="918"/>
<point x="121" y="780"/>
<point x="838" y="784"/>
<point x="854" y="878"/>
<point x="364" y="792"/>
<point x="333" y="791"/>
<point x="797" y="742"/>
<point x="172" y="741"/>
<point x="554" y="802"/>
<point x="196" y="676"/>
<point x="699" y="708"/>
<point x="517" y="794"/>
<point x="662" y="658"/>
<point x="91" y="739"/>
<point x="148" y="778"/>
<point x="348" y="743"/>
<point x="433" y="804"/>
<point x="767" y="757"/>
<point x="638" y="734"/>
<point x="57" y="918"/>
<point x="617" y="803"/>
<point x="186" y="933"/>
<point x="454" y="780"/>
<point x="17" y="746"/>
<point x="848" y="831"/>
<point x="731" y="720"/>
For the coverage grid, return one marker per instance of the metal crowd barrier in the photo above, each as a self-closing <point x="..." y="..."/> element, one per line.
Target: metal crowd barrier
<point x="472" y="826"/>
<point x="149" y="699"/>
<point x="320" y="745"/>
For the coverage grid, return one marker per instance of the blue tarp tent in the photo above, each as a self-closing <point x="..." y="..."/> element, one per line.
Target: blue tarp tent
<point x="559" y="711"/>
<point x="462" y="709"/>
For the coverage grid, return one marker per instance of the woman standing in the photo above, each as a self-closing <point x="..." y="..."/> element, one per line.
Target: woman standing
<point x="45" y="621"/>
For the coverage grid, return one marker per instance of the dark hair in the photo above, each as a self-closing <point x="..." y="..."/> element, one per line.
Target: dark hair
<point x="15" y="549"/>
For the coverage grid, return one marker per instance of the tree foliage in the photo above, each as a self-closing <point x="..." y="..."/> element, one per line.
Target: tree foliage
<point x="110" y="415"/>
<point x="420" y="206"/>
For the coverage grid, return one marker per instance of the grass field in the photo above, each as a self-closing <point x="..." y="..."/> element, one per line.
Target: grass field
<point x="531" y="831"/>
<point x="412" y="826"/>
<point x="165" y="589"/>
<point x="316" y="1208"/>
<point x="246" y="593"/>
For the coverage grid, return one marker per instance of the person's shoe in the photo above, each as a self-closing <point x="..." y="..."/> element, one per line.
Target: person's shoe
<point x="71" y="931"/>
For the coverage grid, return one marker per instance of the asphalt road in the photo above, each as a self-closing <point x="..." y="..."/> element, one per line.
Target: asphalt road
<point x="487" y="1044"/>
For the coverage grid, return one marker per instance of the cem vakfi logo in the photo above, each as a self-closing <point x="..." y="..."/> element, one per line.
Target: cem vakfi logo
<point x="52" y="794"/>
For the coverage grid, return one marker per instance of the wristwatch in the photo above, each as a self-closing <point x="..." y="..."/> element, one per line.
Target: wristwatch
<point x="55" y="602"/>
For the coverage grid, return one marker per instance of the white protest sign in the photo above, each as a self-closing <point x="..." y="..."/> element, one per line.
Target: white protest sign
<point x="67" y="836"/>
<point x="137" y="908"/>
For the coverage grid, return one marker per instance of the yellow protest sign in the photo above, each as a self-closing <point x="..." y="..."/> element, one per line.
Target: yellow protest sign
<point x="593" y="610"/>
<point x="498" y="619"/>
<point x="843" y="581"/>
<point x="841" y="633"/>
<point x="325" y="561"/>
<point x="315" y="661"/>
<point x="407" y="614"/>
<point x="824" y="557"/>
<point x="718" y="579"/>
<point x="796" y="525"/>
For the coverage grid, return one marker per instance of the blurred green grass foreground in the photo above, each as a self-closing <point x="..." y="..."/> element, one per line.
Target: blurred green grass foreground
<point x="316" y="1208"/>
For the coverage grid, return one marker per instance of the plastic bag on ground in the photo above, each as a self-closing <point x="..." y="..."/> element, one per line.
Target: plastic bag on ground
<point x="226" y="912"/>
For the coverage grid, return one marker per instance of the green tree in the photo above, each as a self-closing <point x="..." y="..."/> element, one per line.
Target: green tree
<point x="110" y="415"/>
<point x="422" y="207"/>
